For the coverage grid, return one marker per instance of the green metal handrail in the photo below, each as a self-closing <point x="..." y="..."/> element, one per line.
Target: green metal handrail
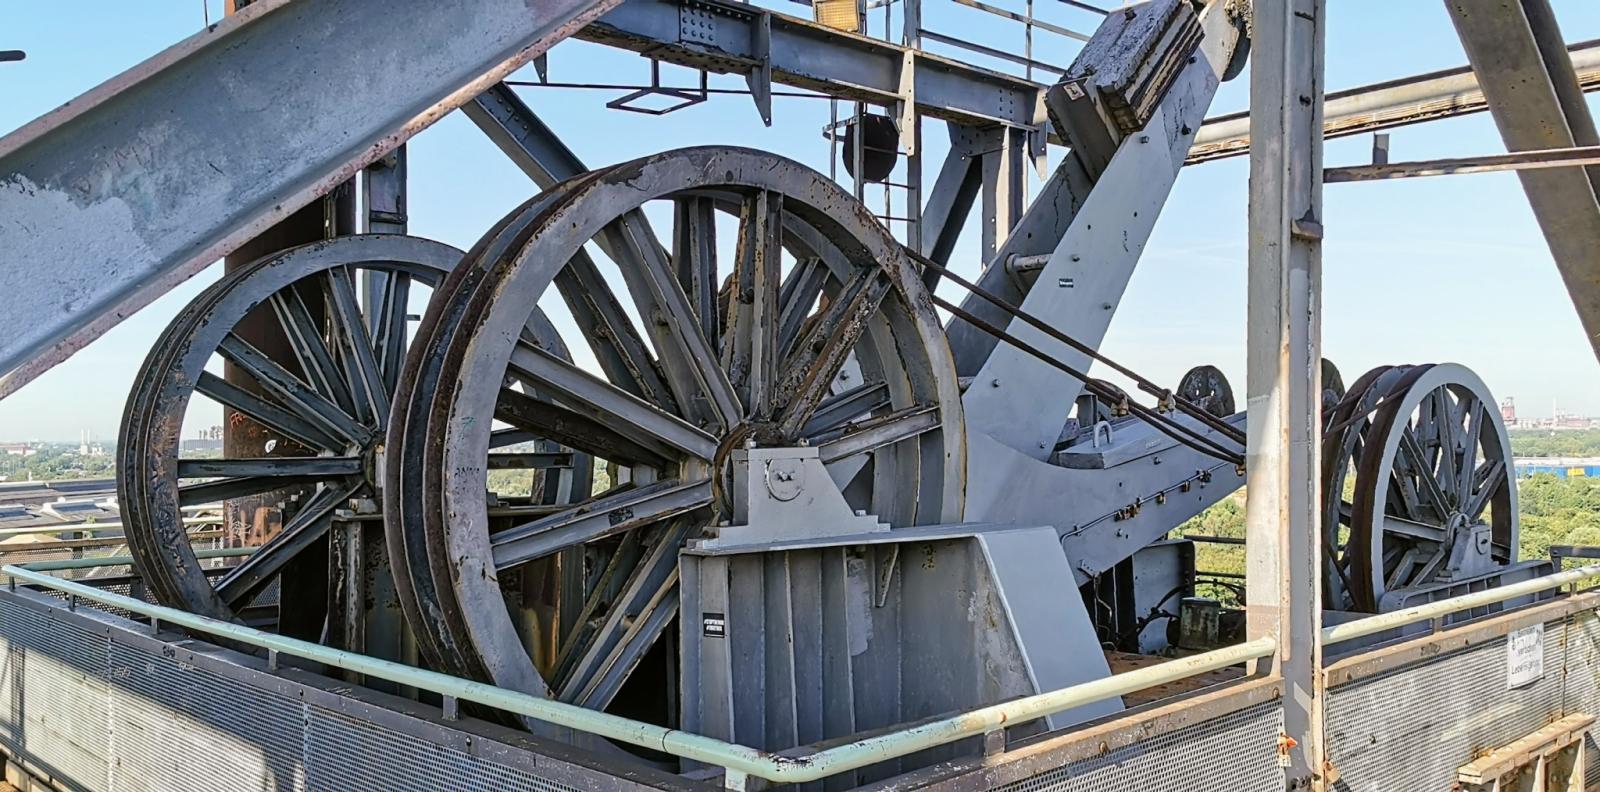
<point x="739" y="762"/>
<point x="1382" y="622"/>
<point x="81" y="527"/>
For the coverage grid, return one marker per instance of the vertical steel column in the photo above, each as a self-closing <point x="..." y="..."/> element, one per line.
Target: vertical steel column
<point x="1005" y="165"/>
<point x="303" y="596"/>
<point x="1284" y="596"/>
<point x="911" y="23"/>
<point x="374" y="623"/>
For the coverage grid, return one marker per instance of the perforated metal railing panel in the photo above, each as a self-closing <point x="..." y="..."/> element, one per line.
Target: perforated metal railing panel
<point x="1583" y="680"/>
<point x="55" y="695"/>
<point x="91" y="702"/>
<point x="96" y="704"/>
<point x="1233" y="753"/>
<point x="343" y="752"/>
<point x="230" y="736"/>
<point x="1412" y="727"/>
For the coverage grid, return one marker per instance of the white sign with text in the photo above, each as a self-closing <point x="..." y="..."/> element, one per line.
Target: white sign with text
<point x="1524" y="656"/>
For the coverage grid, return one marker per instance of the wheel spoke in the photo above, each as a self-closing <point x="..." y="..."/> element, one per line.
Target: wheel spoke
<point x="530" y="461"/>
<point x="879" y="432"/>
<point x="268" y="467"/>
<point x="694" y="256"/>
<point x="630" y="508"/>
<point x="1490" y="478"/>
<point x="750" y="346"/>
<point x="622" y="354"/>
<point x="1429" y="488"/>
<point x="1397" y="574"/>
<point x="362" y="371"/>
<point x="387" y="305"/>
<point x="839" y="409"/>
<point x="229" y="488"/>
<point x="1473" y="412"/>
<point x="1404" y="482"/>
<point x="818" y="357"/>
<point x="244" y="581"/>
<point x="289" y="388"/>
<point x="500" y="438"/>
<point x="689" y="360"/>
<point x="1413" y="529"/>
<point x="605" y="588"/>
<point x="310" y="349"/>
<point x="798" y="296"/>
<point x="1447" y="423"/>
<point x="640" y="612"/>
<point x="263" y="412"/>
<point x="1431" y="567"/>
<point x="536" y="419"/>
<point x="587" y="395"/>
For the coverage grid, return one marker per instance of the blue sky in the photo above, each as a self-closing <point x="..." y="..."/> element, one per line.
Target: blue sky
<point x="1415" y="271"/>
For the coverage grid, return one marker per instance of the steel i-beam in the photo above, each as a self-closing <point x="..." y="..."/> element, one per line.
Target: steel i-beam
<point x="1094" y="238"/>
<point x="1283" y="535"/>
<point x="1386" y="105"/>
<point x="112" y="199"/>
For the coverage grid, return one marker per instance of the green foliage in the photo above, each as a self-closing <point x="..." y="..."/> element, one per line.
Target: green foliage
<point x="56" y="462"/>
<point x="1545" y="443"/>
<point x="1558" y="511"/>
<point x="519" y="483"/>
<point x="1224" y="519"/>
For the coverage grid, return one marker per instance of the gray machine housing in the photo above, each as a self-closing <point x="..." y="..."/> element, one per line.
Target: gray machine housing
<point x="799" y="642"/>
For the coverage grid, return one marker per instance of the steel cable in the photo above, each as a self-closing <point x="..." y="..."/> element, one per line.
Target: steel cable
<point x="1166" y="395"/>
<point x="1178" y="432"/>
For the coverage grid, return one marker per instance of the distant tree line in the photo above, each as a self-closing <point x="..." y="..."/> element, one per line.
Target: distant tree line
<point x="1554" y="511"/>
<point x="1545" y="443"/>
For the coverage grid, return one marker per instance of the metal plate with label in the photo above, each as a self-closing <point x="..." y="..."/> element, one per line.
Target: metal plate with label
<point x="713" y="625"/>
<point x="1524" y="656"/>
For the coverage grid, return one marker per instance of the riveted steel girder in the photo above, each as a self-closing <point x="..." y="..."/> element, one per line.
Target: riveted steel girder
<point x="720" y="36"/>
<point x="115" y="197"/>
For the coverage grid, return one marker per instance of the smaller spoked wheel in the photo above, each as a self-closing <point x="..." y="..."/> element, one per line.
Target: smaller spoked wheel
<point x="1417" y="485"/>
<point x="1207" y="388"/>
<point x="304" y="434"/>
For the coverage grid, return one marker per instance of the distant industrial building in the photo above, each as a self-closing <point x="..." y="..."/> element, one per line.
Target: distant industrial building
<point x="1558" y="420"/>
<point x="1560" y="467"/>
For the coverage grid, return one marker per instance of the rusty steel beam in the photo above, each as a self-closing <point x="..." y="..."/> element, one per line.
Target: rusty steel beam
<point x="112" y="199"/>
<point x="1538" y="159"/>
<point x="1386" y="105"/>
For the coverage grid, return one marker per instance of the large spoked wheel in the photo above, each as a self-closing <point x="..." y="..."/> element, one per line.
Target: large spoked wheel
<point x="800" y="321"/>
<point x="342" y="307"/>
<point x="1430" y="496"/>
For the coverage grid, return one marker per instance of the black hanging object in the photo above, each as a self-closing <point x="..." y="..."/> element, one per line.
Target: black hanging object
<point x="878" y="156"/>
